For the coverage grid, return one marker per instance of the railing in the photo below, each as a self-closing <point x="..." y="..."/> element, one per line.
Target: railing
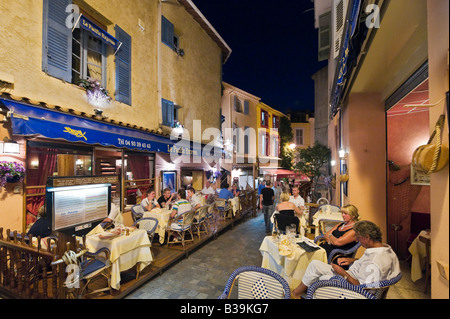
<point x="25" y="271"/>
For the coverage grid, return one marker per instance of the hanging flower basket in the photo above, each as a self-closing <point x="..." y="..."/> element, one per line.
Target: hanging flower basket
<point x="11" y="172"/>
<point x="96" y="94"/>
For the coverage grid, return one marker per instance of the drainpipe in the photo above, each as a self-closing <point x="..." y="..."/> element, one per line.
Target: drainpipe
<point x="158" y="58"/>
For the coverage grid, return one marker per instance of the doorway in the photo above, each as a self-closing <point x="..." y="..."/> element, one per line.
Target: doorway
<point x="408" y="199"/>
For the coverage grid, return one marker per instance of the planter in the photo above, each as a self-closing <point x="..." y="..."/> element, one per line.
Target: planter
<point x="13" y="179"/>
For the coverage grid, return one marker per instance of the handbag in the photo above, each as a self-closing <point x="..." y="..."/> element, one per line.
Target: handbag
<point x="431" y="158"/>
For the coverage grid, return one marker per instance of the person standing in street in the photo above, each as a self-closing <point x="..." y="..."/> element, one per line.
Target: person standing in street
<point x="266" y="204"/>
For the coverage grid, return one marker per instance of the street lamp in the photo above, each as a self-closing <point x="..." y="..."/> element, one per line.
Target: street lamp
<point x="292" y="146"/>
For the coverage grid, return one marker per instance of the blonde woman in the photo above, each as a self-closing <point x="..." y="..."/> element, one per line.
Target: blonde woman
<point x="342" y="235"/>
<point x="288" y="213"/>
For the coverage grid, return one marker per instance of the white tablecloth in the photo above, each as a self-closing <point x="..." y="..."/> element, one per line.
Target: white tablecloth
<point x="126" y="251"/>
<point x="418" y="253"/>
<point x="325" y="215"/>
<point x="163" y="216"/>
<point x="292" y="267"/>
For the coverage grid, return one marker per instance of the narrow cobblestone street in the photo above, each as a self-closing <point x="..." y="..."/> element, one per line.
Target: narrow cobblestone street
<point x="204" y="274"/>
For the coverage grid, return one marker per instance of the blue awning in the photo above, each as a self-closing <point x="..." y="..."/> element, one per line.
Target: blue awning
<point x="28" y="120"/>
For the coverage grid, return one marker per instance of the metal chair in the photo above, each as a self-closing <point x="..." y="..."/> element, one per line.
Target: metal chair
<point x="137" y="211"/>
<point x="183" y="226"/>
<point x="338" y="288"/>
<point x="200" y="220"/>
<point x="257" y="283"/>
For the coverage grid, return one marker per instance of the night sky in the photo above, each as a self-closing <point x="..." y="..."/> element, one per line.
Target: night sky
<point x="274" y="47"/>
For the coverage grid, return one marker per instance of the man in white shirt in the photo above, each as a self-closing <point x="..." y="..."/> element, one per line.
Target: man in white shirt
<point x="208" y="190"/>
<point x="297" y="199"/>
<point x="195" y="199"/>
<point x="378" y="263"/>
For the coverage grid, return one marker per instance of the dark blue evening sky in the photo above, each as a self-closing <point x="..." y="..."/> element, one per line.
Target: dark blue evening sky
<point x="274" y="47"/>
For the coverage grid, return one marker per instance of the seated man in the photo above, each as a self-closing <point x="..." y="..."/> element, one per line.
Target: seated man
<point x="179" y="207"/>
<point x="42" y="226"/>
<point x="165" y="198"/>
<point x="225" y="193"/>
<point x="194" y="198"/>
<point x="150" y="202"/>
<point x="208" y="189"/>
<point x="378" y="263"/>
<point x="114" y="216"/>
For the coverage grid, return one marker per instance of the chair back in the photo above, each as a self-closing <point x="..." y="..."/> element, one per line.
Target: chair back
<point x="137" y="211"/>
<point x="147" y="223"/>
<point x="257" y="283"/>
<point x="201" y="213"/>
<point x="331" y="207"/>
<point x="186" y="219"/>
<point x="338" y="288"/>
<point x="282" y="221"/>
<point x="221" y="203"/>
<point x="326" y="225"/>
<point x="351" y="252"/>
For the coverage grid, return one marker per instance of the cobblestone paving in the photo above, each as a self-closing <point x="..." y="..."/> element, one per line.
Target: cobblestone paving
<point x="204" y="274"/>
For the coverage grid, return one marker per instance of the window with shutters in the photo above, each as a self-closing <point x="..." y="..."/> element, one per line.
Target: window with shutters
<point x="299" y="137"/>
<point x="88" y="57"/>
<point x="265" y="119"/>
<point x="75" y="54"/>
<point x="168" y="112"/>
<point x="324" y="36"/>
<point x="168" y="35"/>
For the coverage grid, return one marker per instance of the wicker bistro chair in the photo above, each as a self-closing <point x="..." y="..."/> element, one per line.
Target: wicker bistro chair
<point x="182" y="227"/>
<point x="338" y="288"/>
<point x="137" y="211"/>
<point x="224" y="208"/>
<point x="337" y="253"/>
<point x="200" y="220"/>
<point x="85" y="267"/>
<point x="257" y="283"/>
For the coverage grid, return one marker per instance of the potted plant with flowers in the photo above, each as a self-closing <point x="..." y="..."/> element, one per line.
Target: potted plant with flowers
<point x="11" y="172"/>
<point x="96" y="94"/>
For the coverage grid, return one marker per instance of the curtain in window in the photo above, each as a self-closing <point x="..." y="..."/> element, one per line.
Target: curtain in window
<point x="94" y="58"/>
<point x="38" y="177"/>
<point x="140" y="167"/>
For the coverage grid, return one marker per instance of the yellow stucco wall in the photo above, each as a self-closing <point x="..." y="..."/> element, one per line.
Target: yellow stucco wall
<point x="21" y="53"/>
<point x="193" y="80"/>
<point x="272" y="112"/>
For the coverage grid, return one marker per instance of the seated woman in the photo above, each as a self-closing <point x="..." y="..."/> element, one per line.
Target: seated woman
<point x="289" y="212"/>
<point x="342" y="235"/>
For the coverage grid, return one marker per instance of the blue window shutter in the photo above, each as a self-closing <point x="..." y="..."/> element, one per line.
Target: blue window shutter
<point x="246" y="107"/>
<point x="56" y="40"/>
<point x="167" y="32"/>
<point x="123" y="67"/>
<point x="167" y="112"/>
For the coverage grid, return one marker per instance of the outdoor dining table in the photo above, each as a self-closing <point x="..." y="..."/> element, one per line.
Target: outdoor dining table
<point x="418" y="253"/>
<point x="126" y="251"/>
<point x="163" y="216"/>
<point x="325" y="215"/>
<point x="293" y="266"/>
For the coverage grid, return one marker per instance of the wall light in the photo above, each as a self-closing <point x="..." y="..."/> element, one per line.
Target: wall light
<point x="342" y="154"/>
<point x="10" y="146"/>
<point x="333" y="163"/>
<point x="292" y="146"/>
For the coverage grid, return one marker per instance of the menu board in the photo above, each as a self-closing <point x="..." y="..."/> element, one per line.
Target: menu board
<point x="75" y="205"/>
